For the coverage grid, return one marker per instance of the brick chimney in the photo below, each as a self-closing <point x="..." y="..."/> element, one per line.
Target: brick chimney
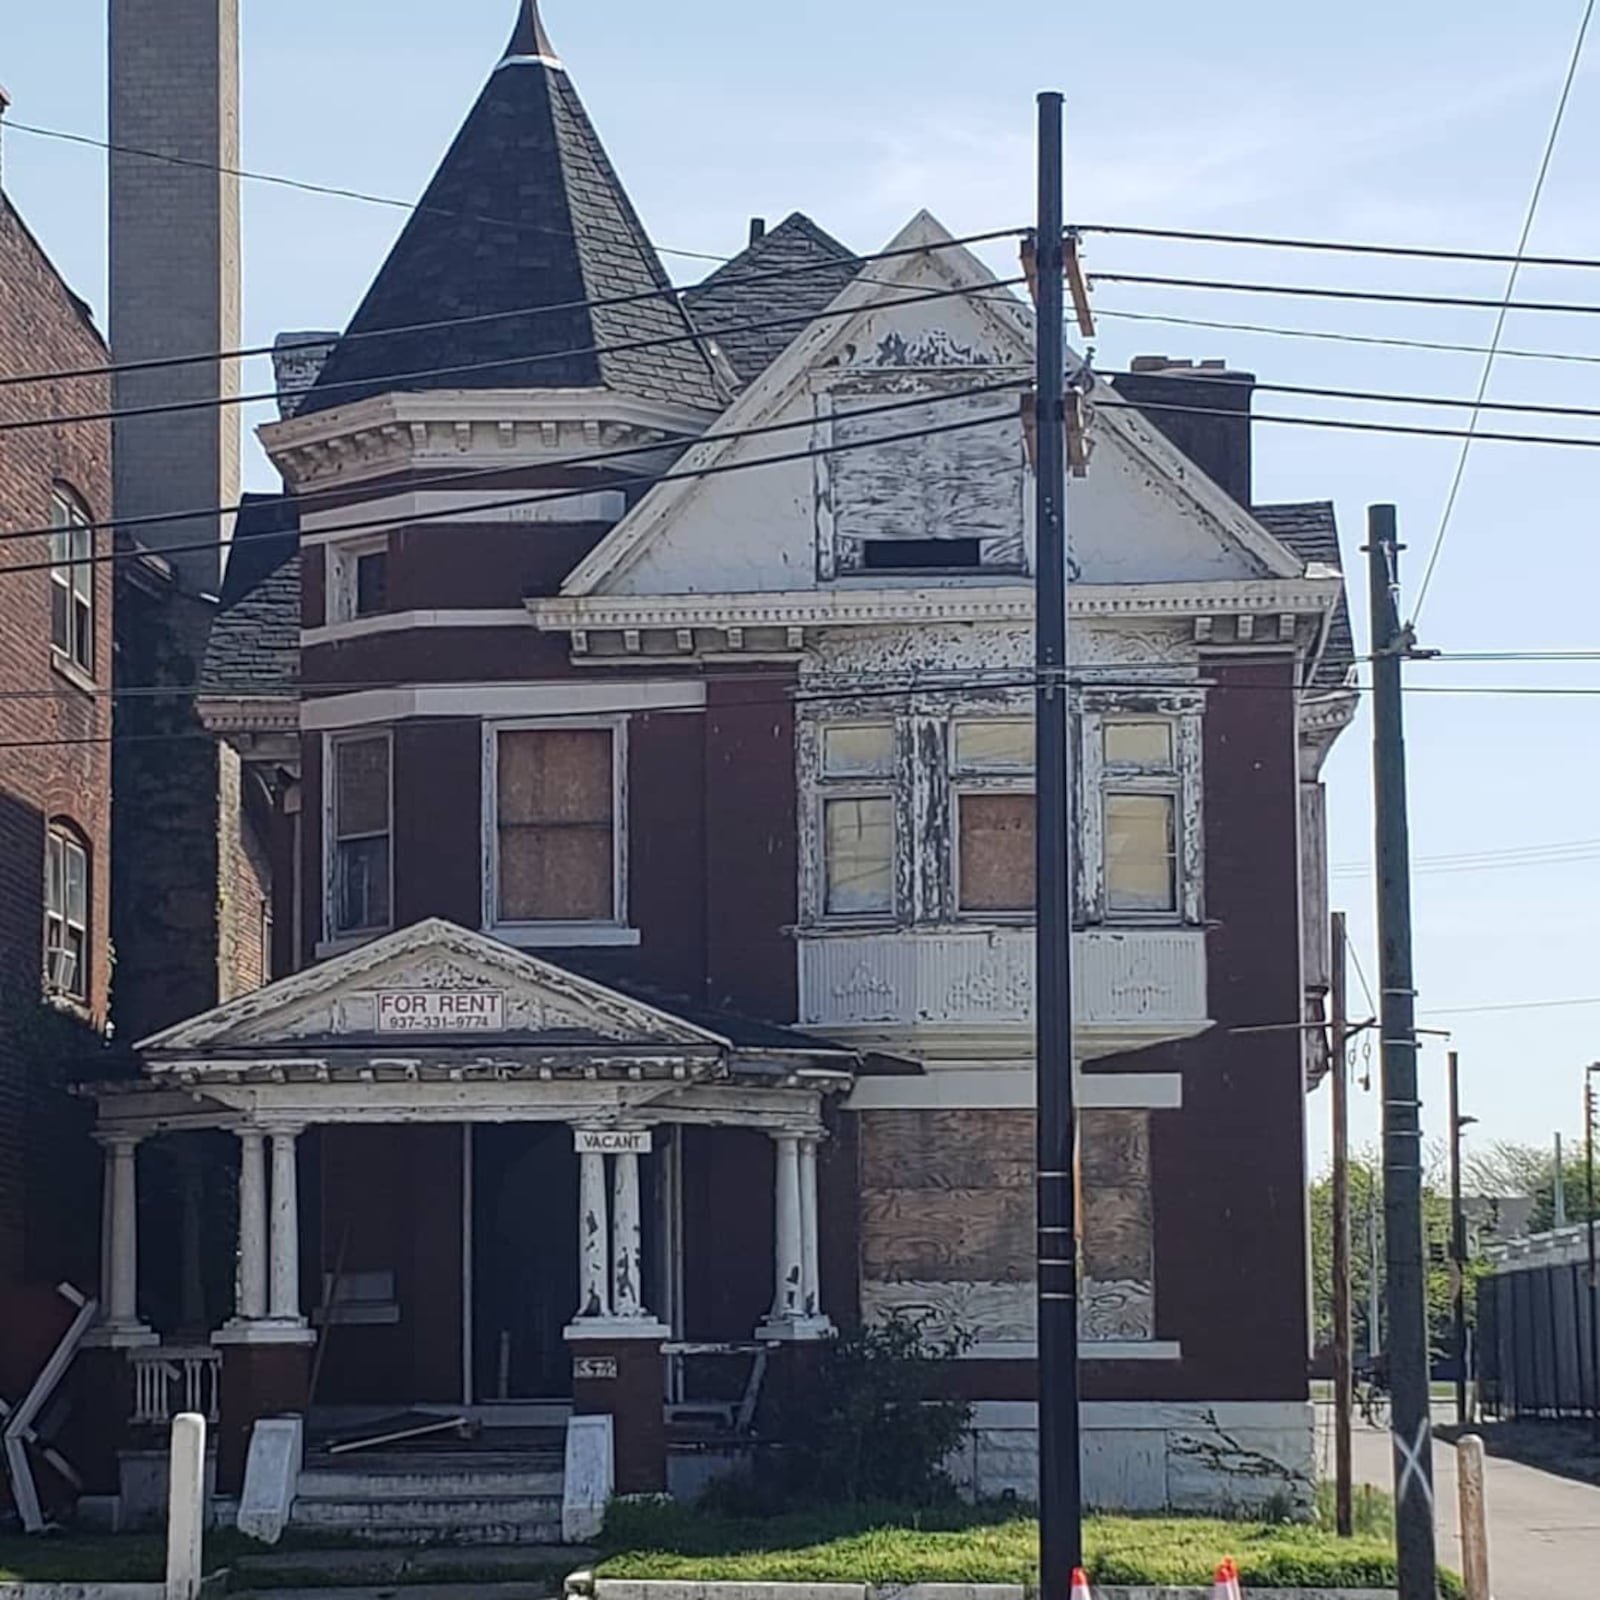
<point x="1219" y="445"/>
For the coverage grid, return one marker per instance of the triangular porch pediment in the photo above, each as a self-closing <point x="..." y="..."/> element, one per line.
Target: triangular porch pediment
<point x="431" y="982"/>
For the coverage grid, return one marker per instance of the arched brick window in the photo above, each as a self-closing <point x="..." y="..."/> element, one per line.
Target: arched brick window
<point x="71" y="580"/>
<point x="66" y="912"/>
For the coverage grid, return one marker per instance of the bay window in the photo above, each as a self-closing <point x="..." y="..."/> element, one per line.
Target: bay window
<point x="858" y="819"/>
<point x="992" y="781"/>
<point x="1140" y="796"/>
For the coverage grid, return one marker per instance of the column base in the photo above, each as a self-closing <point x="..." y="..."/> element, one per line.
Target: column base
<point x="121" y="1336"/>
<point x="265" y="1330"/>
<point x="604" y="1330"/>
<point x="625" y="1377"/>
<point x="796" y="1330"/>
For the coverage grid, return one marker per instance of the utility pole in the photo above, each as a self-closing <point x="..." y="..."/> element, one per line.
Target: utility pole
<point x="1060" y="1492"/>
<point x="1594" y="1267"/>
<point x="1458" y="1239"/>
<point x="1374" y="1299"/>
<point x="1343" y="1365"/>
<point x="1402" y="1109"/>
<point x="1558" y="1218"/>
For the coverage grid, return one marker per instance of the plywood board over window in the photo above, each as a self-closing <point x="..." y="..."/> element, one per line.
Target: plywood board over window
<point x="556" y="816"/>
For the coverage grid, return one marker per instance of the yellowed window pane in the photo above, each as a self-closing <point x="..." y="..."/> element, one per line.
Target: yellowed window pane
<point x="1138" y="744"/>
<point x="996" y="852"/>
<point x="1141" y="867"/>
<point x="361" y="787"/>
<point x="995" y="746"/>
<point x="858" y="750"/>
<point x="860" y="856"/>
<point x="550" y="775"/>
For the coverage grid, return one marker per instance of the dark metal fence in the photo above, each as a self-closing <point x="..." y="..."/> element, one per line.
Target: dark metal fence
<point x="1533" y="1344"/>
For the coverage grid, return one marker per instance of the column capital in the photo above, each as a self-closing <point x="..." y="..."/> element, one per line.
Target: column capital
<point x="279" y="1127"/>
<point x="117" y="1140"/>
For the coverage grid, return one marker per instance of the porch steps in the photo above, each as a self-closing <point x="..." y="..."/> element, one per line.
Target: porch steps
<point x="440" y="1496"/>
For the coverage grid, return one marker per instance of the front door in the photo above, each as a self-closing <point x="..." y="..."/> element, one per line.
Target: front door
<point x="524" y="1260"/>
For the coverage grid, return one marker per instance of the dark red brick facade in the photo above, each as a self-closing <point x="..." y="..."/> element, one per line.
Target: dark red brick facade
<point x="55" y="758"/>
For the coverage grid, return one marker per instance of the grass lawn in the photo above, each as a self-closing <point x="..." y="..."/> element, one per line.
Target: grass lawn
<point x="986" y="1544"/>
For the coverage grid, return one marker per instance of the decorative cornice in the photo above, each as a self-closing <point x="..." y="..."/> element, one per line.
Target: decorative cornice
<point x="224" y="714"/>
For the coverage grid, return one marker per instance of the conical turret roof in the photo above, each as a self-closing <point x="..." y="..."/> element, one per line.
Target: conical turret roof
<point x="525" y="212"/>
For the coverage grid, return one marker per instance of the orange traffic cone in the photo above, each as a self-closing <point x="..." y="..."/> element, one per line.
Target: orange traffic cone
<point x="1080" y="1585"/>
<point x="1226" y="1586"/>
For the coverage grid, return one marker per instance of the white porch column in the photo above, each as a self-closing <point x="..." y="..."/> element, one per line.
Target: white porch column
<point x="789" y="1264"/>
<point x="810" y="1273"/>
<point x="251" y="1282"/>
<point x="122" y="1299"/>
<point x="627" y="1237"/>
<point x="594" y="1299"/>
<point x="284" y="1282"/>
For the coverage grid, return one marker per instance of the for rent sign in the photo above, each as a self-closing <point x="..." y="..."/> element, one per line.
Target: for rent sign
<point x="441" y="1011"/>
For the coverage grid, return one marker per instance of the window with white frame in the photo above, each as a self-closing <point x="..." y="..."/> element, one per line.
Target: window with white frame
<point x="66" y="914"/>
<point x="361" y="833"/>
<point x="556" y="797"/>
<point x="858" y="819"/>
<point x="991" y="772"/>
<point x="1140" y="799"/>
<point x="71" y="581"/>
<point x="358" y="578"/>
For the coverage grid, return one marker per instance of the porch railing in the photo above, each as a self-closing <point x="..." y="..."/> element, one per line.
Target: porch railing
<point x="170" y="1379"/>
<point x="720" y="1381"/>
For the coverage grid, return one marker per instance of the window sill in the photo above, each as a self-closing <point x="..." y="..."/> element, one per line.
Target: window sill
<point x="561" y="935"/>
<point x="69" y="1005"/>
<point x="65" y="667"/>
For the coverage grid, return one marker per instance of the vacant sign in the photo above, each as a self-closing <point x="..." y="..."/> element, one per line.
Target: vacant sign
<point x="613" y="1141"/>
<point x="441" y="1011"/>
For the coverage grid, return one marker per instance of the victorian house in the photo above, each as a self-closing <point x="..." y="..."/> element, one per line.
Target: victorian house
<point x="648" y="703"/>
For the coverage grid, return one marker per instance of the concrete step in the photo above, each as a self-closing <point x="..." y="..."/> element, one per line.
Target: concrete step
<point x="426" y="1511"/>
<point x="382" y="1564"/>
<point x="412" y="1481"/>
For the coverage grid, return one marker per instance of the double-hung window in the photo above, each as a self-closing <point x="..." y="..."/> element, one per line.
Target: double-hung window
<point x="557" y="857"/>
<point x="858" y="819"/>
<point x="66" y="915"/>
<point x="71" y="582"/>
<point x="1140" y="795"/>
<point x="361" y="824"/>
<point x="991" y="777"/>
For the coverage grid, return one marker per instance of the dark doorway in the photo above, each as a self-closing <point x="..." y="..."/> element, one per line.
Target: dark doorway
<point x="524" y="1260"/>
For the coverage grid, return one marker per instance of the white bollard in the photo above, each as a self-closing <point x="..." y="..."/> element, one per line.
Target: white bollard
<point x="1474" y="1516"/>
<point x="186" y="1507"/>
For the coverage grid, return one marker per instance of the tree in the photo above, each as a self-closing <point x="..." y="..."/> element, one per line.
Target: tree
<point x="1508" y="1169"/>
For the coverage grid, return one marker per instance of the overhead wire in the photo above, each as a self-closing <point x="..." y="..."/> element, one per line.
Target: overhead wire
<point x="1504" y="311"/>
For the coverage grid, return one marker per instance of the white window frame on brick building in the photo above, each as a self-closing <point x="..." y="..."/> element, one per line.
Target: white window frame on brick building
<point x="71" y="582"/>
<point x="66" y="912"/>
<point x="610" y="928"/>
<point x="337" y="836"/>
<point x="346" y="601"/>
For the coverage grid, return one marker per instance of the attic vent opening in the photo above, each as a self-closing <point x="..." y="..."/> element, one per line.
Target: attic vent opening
<point x="921" y="555"/>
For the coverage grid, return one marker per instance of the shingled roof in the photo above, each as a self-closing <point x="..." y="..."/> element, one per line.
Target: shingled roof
<point x="254" y="644"/>
<point x="816" y="269"/>
<point x="1310" y="529"/>
<point x="525" y="215"/>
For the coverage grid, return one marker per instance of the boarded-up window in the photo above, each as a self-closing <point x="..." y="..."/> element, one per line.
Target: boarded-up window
<point x="1141" y="853"/>
<point x="362" y="899"/>
<point x="996" y="852"/>
<point x="556" y="816"/>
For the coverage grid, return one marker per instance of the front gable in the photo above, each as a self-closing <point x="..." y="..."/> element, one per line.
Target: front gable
<point x="843" y="472"/>
<point x="431" y="983"/>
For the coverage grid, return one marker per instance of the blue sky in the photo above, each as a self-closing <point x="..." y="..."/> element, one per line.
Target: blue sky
<point x="1422" y="123"/>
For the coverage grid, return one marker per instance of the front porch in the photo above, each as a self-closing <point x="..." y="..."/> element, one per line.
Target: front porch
<point x="473" y="1183"/>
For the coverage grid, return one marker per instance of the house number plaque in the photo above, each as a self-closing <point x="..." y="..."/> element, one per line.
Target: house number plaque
<point x="594" y="1367"/>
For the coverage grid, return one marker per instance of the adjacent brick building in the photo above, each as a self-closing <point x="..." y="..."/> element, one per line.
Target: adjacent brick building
<point x="55" y="756"/>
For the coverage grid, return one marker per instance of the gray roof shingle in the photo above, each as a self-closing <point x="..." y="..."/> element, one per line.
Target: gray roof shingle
<point x="1310" y="529"/>
<point x="524" y="215"/>
<point x="254" y="644"/>
<point x="747" y="289"/>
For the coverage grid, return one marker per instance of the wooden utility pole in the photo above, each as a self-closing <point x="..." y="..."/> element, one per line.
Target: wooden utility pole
<point x="1060" y="1487"/>
<point x="1343" y="1363"/>
<point x="1458" y="1240"/>
<point x="1412" y="1423"/>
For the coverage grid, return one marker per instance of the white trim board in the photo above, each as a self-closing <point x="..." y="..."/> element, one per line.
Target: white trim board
<point x="445" y="508"/>
<point x="1012" y="1088"/>
<point x="561" y="697"/>
<point x="401" y="621"/>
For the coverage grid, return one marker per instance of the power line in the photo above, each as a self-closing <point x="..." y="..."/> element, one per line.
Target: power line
<point x="669" y="292"/>
<point x="1339" y="246"/>
<point x="535" y="358"/>
<point x="335" y="191"/>
<point x="1306" y="291"/>
<point x="1344" y="338"/>
<point x="1512" y="1005"/>
<point x="1487" y="860"/>
<point x="1505" y="309"/>
<point x="545" y="497"/>
<point x="309" y="501"/>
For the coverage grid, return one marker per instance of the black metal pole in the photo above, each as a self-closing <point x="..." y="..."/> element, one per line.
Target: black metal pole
<point x="1594" y="1275"/>
<point x="1458" y="1243"/>
<point x="1060" y="1512"/>
<point x="1343" y="1363"/>
<point x="1402" y="1109"/>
